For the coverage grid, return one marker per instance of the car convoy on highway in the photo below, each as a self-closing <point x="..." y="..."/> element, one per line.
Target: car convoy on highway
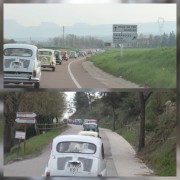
<point x="23" y="63"/>
<point x="78" y="155"/>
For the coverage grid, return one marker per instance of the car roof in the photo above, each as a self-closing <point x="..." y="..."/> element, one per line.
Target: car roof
<point x="16" y="45"/>
<point x="46" y="50"/>
<point x="80" y="138"/>
<point x="88" y="133"/>
<point x="88" y="123"/>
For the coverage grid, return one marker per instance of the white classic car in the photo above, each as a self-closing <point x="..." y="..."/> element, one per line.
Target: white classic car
<point x="21" y="64"/>
<point x="76" y="155"/>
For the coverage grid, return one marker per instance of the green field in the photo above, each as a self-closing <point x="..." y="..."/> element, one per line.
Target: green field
<point x="154" y="68"/>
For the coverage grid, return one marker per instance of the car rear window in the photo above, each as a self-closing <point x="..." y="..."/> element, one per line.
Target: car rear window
<point x="76" y="147"/>
<point x="48" y="53"/>
<point x="89" y="127"/>
<point x="22" y="52"/>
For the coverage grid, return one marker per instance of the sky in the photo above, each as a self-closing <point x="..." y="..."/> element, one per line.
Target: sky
<point x="64" y="14"/>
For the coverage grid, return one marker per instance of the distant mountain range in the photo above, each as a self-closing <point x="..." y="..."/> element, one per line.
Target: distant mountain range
<point x="46" y="30"/>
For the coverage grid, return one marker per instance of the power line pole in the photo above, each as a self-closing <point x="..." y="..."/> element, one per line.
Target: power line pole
<point x="160" y="25"/>
<point x="63" y="37"/>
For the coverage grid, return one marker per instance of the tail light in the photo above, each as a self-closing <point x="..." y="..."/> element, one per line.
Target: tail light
<point x="34" y="73"/>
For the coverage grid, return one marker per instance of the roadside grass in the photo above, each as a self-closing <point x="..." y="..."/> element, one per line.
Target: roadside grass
<point x="146" y="67"/>
<point x="34" y="146"/>
<point x="161" y="157"/>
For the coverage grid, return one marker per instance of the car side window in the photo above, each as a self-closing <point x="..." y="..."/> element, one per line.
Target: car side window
<point x="102" y="151"/>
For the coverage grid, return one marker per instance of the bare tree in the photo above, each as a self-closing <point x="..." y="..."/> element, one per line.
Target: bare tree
<point x="143" y="99"/>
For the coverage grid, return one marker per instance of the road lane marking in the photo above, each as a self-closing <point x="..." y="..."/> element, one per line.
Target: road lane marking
<point x="72" y="76"/>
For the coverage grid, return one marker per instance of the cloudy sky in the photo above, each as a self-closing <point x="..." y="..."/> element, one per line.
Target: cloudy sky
<point x="93" y="14"/>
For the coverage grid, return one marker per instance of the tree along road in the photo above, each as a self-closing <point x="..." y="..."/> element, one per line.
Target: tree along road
<point x="120" y="156"/>
<point x="79" y="73"/>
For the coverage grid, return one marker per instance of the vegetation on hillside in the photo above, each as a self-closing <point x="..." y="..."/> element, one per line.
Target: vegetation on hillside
<point x="48" y="106"/>
<point x="147" y="67"/>
<point x="120" y="111"/>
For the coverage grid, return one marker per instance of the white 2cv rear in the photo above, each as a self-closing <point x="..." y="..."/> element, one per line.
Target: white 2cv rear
<point x="21" y="64"/>
<point x="76" y="155"/>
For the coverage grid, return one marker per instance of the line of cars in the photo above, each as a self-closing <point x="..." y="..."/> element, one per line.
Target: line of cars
<point x="78" y="155"/>
<point x="23" y="62"/>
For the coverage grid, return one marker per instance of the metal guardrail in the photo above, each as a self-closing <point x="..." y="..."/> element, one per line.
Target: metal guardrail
<point x="50" y="126"/>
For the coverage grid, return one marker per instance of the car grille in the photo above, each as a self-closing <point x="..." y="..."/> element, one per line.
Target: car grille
<point x="61" y="162"/>
<point x="8" y="62"/>
<point x="87" y="163"/>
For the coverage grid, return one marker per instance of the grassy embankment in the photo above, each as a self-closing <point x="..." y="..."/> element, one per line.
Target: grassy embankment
<point x="34" y="146"/>
<point x="147" y="67"/>
<point x="160" y="146"/>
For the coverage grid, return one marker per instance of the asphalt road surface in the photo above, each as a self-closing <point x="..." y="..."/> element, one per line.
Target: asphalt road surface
<point x="120" y="156"/>
<point x="78" y="73"/>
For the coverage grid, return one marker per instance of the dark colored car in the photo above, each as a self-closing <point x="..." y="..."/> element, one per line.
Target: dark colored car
<point x="58" y="57"/>
<point x="91" y="127"/>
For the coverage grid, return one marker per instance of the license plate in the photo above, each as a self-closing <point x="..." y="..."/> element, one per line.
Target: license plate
<point x="74" y="168"/>
<point x="16" y="65"/>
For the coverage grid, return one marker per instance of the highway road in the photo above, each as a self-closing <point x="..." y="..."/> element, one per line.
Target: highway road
<point x="121" y="158"/>
<point x="78" y="73"/>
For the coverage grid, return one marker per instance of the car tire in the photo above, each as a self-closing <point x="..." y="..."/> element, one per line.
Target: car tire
<point x="36" y="85"/>
<point x="53" y="69"/>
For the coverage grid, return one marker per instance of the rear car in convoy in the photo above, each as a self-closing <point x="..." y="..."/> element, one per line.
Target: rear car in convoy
<point x="47" y="58"/>
<point x="91" y="127"/>
<point x="58" y="56"/>
<point x="65" y="55"/>
<point x="73" y="54"/>
<point x="21" y="65"/>
<point x="76" y="155"/>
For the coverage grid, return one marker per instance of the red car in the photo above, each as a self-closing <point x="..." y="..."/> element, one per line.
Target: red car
<point x="64" y="55"/>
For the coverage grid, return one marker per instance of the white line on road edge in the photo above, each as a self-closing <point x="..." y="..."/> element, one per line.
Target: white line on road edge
<point x="72" y="77"/>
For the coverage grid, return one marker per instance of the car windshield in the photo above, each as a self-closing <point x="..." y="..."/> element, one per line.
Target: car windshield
<point x="23" y="52"/>
<point x="76" y="147"/>
<point x="47" y="53"/>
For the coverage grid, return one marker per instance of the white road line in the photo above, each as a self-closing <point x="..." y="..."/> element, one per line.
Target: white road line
<point x="72" y="76"/>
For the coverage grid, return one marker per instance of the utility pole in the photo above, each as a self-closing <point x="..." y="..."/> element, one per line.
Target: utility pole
<point x="63" y="37"/>
<point x="160" y="25"/>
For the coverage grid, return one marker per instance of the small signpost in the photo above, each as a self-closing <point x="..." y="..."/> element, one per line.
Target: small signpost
<point x="124" y="33"/>
<point x="24" y="118"/>
<point x="19" y="135"/>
